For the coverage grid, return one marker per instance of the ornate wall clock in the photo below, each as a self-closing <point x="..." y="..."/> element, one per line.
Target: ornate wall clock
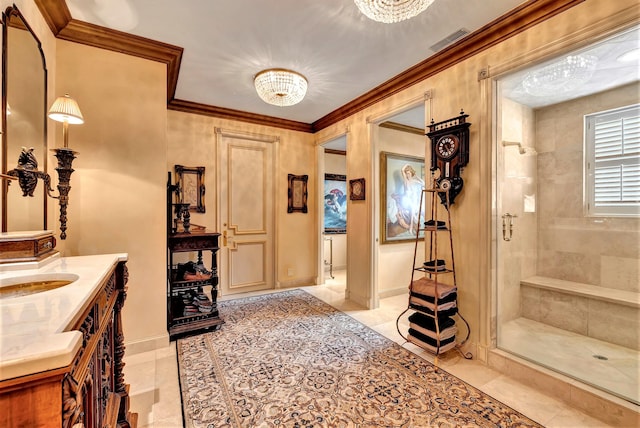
<point x="449" y="153"/>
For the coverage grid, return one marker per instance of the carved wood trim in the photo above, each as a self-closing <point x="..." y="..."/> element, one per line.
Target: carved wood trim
<point x="33" y="380"/>
<point x="518" y="20"/>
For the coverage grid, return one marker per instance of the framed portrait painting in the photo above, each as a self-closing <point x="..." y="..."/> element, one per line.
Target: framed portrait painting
<point x="356" y="189"/>
<point x="401" y="183"/>
<point x="297" y="193"/>
<point x="335" y="204"/>
<point x="190" y="182"/>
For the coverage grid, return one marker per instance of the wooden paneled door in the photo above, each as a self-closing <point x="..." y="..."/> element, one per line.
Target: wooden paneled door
<point x="246" y="211"/>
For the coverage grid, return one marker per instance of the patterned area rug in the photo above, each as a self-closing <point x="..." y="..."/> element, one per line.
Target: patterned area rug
<point x="290" y="360"/>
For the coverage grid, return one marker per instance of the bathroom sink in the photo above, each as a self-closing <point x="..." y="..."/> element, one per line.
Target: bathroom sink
<point x="32" y="284"/>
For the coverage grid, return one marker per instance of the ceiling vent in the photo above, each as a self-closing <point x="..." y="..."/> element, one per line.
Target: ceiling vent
<point x="449" y="39"/>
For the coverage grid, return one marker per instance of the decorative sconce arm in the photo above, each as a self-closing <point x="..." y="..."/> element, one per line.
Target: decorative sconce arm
<point x="27" y="174"/>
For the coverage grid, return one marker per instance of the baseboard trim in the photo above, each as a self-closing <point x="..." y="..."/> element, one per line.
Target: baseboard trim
<point x="148" y="344"/>
<point x="392" y="292"/>
<point x="300" y="282"/>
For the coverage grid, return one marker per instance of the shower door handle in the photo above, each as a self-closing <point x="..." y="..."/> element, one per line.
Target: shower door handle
<point x="507" y="226"/>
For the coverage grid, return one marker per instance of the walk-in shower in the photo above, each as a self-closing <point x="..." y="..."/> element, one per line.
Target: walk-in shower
<point x="567" y="275"/>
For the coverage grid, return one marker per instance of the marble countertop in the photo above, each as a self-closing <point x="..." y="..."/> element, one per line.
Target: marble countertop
<point x="34" y="334"/>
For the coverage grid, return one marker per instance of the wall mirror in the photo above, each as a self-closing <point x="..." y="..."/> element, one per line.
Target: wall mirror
<point x="24" y="120"/>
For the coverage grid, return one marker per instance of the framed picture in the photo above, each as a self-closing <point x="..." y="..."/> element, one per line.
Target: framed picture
<point x="190" y="182"/>
<point x="335" y="204"/>
<point x="356" y="189"/>
<point x="402" y="179"/>
<point x="297" y="193"/>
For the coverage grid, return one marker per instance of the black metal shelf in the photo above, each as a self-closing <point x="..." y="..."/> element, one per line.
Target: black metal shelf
<point x="439" y="310"/>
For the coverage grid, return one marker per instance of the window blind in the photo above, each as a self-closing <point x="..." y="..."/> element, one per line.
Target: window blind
<point x="615" y="179"/>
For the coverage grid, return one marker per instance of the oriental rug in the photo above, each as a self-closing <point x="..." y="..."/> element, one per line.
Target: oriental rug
<point x="288" y="359"/>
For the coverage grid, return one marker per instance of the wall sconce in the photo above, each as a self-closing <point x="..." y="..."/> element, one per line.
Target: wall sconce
<point x="64" y="109"/>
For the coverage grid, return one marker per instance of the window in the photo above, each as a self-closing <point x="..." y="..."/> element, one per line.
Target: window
<point x="613" y="162"/>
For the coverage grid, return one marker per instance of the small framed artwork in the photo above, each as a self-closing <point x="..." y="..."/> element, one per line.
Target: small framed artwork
<point x="356" y="189"/>
<point x="297" y="193"/>
<point x="190" y="183"/>
<point x="401" y="183"/>
<point x="335" y="204"/>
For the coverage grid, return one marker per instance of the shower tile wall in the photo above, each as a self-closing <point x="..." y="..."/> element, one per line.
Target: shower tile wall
<point x="517" y="189"/>
<point x="598" y="251"/>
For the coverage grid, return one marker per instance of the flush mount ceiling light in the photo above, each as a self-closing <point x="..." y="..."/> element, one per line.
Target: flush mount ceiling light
<point x="280" y="87"/>
<point x="561" y="76"/>
<point x="390" y="11"/>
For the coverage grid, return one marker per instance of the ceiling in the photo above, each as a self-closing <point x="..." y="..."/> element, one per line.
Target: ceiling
<point x="342" y="53"/>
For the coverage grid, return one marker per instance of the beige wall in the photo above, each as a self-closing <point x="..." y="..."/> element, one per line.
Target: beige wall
<point x="192" y="142"/>
<point x="117" y="199"/>
<point x="130" y="141"/>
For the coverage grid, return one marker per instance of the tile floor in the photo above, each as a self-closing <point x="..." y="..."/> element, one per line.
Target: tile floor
<point x="155" y="392"/>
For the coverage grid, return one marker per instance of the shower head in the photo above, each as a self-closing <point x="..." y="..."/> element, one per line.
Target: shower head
<point x="522" y="149"/>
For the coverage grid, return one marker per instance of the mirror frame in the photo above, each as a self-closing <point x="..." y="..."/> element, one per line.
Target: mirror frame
<point x="13" y="11"/>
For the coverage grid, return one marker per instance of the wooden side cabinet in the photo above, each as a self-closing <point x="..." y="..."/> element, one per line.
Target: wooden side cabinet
<point x="192" y="286"/>
<point x="91" y="392"/>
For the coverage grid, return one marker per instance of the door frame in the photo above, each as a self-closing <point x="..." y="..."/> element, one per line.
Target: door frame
<point x="320" y="171"/>
<point x="249" y="136"/>
<point x="488" y="78"/>
<point x="372" y="123"/>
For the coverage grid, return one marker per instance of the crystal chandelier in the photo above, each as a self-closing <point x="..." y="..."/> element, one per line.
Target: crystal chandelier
<point x="280" y="87"/>
<point x="390" y="11"/>
<point x="560" y="76"/>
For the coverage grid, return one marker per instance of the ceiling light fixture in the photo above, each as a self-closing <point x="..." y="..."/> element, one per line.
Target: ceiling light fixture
<point x="390" y="11"/>
<point x="280" y="87"/>
<point x="561" y="76"/>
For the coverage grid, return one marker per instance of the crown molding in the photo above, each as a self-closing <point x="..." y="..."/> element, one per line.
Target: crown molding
<point x="55" y="13"/>
<point x="242" y="116"/>
<point x="64" y="27"/>
<point x="533" y="12"/>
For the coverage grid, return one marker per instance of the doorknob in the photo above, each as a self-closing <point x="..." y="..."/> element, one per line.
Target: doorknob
<point x="507" y="226"/>
<point x="224" y="238"/>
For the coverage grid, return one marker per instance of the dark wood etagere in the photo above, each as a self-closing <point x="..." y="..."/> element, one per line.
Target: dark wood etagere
<point x="192" y="285"/>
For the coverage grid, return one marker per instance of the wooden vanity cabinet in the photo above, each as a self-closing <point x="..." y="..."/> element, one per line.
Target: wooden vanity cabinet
<point x="91" y="392"/>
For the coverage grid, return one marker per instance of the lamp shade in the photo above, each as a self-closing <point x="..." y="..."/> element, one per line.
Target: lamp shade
<point x="280" y="87"/>
<point x="65" y="109"/>
<point x="390" y="11"/>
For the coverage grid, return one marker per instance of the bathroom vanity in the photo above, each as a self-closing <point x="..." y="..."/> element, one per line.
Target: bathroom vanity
<point x="61" y="343"/>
